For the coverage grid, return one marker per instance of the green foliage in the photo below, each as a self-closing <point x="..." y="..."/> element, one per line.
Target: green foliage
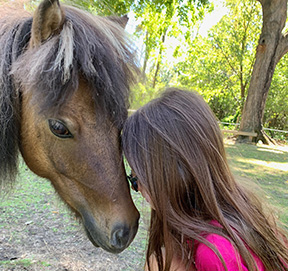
<point x="141" y="95"/>
<point x="107" y="7"/>
<point x="104" y="8"/>
<point x="219" y="66"/>
<point x="231" y="118"/>
<point x="161" y="20"/>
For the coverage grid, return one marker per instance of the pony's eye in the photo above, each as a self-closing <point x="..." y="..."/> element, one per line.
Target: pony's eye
<point x="59" y="129"/>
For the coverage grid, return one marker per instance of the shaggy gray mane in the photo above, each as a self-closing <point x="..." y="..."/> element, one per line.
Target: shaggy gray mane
<point x="88" y="47"/>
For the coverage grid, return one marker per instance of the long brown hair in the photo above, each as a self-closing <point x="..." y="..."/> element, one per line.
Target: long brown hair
<point x="176" y="149"/>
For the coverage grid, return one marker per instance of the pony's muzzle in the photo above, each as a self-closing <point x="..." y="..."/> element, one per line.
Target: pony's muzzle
<point x="121" y="237"/>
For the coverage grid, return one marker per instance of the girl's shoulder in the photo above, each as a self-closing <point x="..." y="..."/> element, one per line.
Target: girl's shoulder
<point x="207" y="259"/>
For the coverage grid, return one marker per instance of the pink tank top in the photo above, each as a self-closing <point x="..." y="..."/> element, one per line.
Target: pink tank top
<point x="207" y="260"/>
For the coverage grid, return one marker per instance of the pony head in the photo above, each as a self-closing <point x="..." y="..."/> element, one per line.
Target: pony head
<point x="64" y="86"/>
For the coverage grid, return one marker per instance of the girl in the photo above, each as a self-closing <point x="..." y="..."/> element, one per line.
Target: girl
<point x="201" y="219"/>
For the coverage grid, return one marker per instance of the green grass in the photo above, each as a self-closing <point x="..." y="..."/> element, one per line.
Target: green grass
<point x="33" y="197"/>
<point x="22" y="262"/>
<point x="263" y="169"/>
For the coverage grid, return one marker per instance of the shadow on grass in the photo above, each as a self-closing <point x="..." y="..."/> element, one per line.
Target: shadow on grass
<point x="278" y="154"/>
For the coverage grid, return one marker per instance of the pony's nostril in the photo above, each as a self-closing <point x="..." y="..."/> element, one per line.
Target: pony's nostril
<point x="120" y="237"/>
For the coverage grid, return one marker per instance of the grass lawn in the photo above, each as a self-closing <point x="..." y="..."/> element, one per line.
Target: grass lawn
<point x="263" y="169"/>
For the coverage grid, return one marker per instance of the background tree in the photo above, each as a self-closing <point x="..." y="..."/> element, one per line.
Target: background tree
<point x="235" y="36"/>
<point x="272" y="46"/>
<point x="161" y="20"/>
<point x="276" y="110"/>
<point x="104" y="8"/>
<point x="219" y="66"/>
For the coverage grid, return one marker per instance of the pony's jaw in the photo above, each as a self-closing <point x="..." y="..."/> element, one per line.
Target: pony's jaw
<point x="108" y="227"/>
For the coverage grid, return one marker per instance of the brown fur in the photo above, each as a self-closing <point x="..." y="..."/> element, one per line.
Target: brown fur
<point x="48" y="20"/>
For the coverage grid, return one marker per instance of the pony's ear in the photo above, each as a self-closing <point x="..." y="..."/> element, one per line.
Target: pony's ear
<point x="47" y="20"/>
<point x="122" y="21"/>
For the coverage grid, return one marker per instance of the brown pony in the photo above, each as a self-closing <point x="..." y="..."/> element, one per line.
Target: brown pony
<point x="64" y="85"/>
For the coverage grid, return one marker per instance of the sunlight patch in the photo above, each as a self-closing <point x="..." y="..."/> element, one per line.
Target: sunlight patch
<point x="273" y="165"/>
<point x="270" y="150"/>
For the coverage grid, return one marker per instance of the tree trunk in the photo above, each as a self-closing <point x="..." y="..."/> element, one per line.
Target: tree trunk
<point x="159" y="59"/>
<point x="271" y="47"/>
<point x="146" y="58"/>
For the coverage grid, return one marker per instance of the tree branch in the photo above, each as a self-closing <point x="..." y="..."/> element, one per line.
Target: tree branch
<point x="250" y="71"/>
<point x="227" y="59"/>
<point x="282" y="48"/>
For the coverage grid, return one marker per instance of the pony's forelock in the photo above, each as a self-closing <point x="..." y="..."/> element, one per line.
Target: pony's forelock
<point x="65" y="53"/>
<point x="92" y="47"/>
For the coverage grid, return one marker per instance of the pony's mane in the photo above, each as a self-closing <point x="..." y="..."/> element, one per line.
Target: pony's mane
<point x="13" y="39"/>
<point x="89" y="47"/>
